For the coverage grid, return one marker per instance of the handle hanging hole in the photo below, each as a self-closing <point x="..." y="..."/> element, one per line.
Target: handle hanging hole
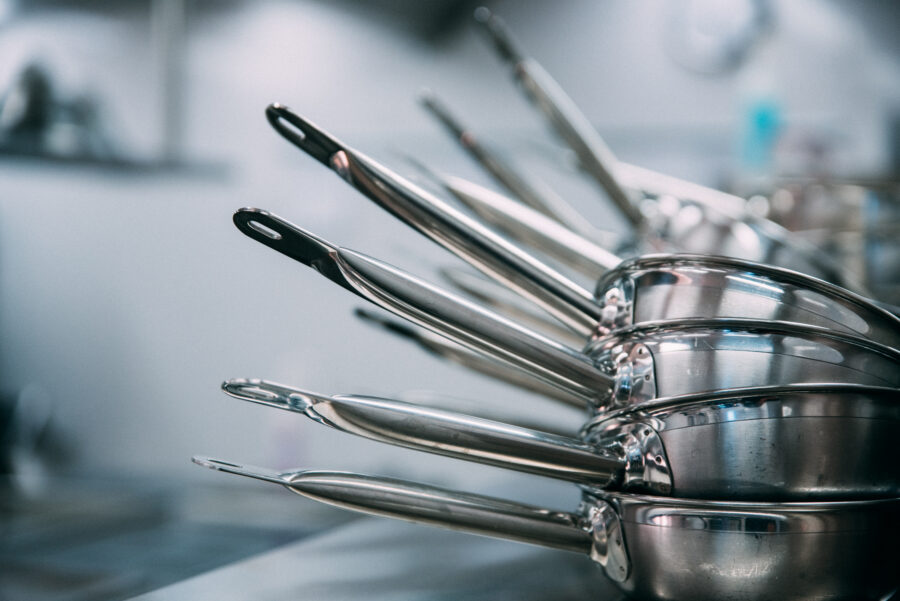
<point x="295" y="130"/>
<point x="264" y="230"/>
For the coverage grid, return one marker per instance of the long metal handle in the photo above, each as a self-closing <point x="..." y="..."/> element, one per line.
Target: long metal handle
<point x="424" y="504"/>
<point x="493" y="296"/>
<point x="569" y="122"/>
<point x="429" y="306"/>
<point x="654" y="184"/>
<point x="485" y="249"/>
<point x="530" y="227"/>
<point x="562" y="423"/>
<point x="451" y="351"/>
<point x="441" y="432"/>
<point x="540" y="198"/>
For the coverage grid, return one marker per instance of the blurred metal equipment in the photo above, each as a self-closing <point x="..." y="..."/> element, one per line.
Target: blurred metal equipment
<point x="686" y="218"/>
<point x="28" y="442"/>
<point x="36" y="121"/>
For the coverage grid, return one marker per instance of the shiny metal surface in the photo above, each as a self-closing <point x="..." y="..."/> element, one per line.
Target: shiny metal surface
<point x="669" y="358"/>
<point x="664" y="287"/>
<point x="480" y="246"/>
<point x="426" y="504"/>
<point x="562" y="422"/>
<point x="594" y="156"/>
<point x="656" y="548"/>
<point x="836" y="440"/>
<point x="494" y="296"/>
<point x="483" y="248"/>
<point x="441" y="432"/>
<point x="691" y="226"/>
<point x="708" y="551"/>
<point x="689" y="218"/>
<point x="652" y="184"/>
<point x="803" y="442"/>
<point x="691" y="355"/>
<point x="532" y="228"/>
<point x="445" y="349"/>
<point x="427" y="306"/>
<point x="542" y="199"/>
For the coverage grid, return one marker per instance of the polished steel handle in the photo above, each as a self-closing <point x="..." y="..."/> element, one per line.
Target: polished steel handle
<point x="496" y="297"/>
<point x="540" y="198"/>
<point x="442" y="432"/>
<point x="451" y="351"/>
<point x="569" y="122"/>
<point x="420" y="503"/>
<point x="430" y="307"/>
<point x="530" y="227"/>
<point x="466" y="237"/>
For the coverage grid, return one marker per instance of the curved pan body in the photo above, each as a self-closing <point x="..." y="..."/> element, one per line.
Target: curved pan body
<point x="675" y="286"/>
<point x="694" y="227"/>
<point x="655" y="548"/>
<point x="660" y="287"/>
<point x="795" y="443"/>
<point x="671" y="358"/>
<point x="708" y="551"/>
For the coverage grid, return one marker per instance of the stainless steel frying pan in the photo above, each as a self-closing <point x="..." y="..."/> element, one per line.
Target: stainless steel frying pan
<point x="782" y="294"/>
<point x="679" y="286"/>
<point x="812" y="442"/>
<point x="678" y="357"/>
<point x="702" y="220"/>
<point x="655" y="548"/>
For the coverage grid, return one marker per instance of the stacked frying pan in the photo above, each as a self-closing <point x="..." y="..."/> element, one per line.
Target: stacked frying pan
<point x="741" y="418"/>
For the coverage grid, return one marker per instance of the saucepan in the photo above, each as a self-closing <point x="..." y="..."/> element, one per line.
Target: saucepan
<point x="654" y="548"/>
<point x="789" y="443"/>
<point x="700" y="220"/>
<point x="697" y="286"/>
<point x="613" y="370"/>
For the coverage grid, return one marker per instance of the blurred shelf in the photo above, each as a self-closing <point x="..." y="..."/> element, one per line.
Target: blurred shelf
<point x="121" y="164"/>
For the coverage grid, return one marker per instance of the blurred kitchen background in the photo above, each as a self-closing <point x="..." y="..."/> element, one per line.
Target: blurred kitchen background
<point x="131" y="131"/>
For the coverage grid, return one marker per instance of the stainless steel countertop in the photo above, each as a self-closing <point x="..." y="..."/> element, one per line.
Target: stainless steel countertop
<point x="375" y="559"/>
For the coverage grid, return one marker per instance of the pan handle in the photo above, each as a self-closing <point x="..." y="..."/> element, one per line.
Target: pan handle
<point x="528" y="226"/>
<point x="540" y="198"/>
<point x="302" y="133"/>
<point x="420" y="503"/>
<point x="493" y="296"/>
<point x="445" y="349"/>
<point x="462" y="235"/>
<point x="430" y="307"/>
<point x="442" y="432"/>
<point x="569" y="122"/>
